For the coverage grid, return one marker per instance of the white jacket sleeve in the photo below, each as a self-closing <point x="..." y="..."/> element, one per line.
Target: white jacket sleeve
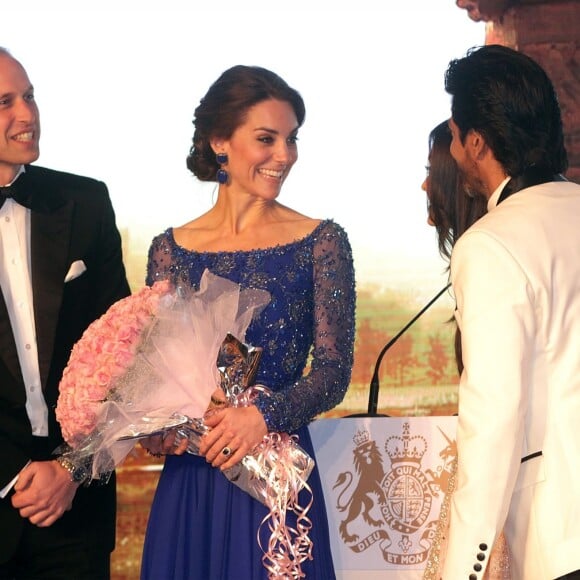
<point x="495" y="313"/>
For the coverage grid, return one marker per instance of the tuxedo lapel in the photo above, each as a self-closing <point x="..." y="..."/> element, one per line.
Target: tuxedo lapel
<point x="8" y="352"/>
<point x="50" y="237"/>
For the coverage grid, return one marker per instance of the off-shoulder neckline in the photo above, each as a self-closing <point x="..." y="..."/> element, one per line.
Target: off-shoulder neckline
<point x="265" y="250"/>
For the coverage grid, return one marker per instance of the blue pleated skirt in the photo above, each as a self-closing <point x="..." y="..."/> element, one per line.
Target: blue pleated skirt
<point x="203" y="527"/>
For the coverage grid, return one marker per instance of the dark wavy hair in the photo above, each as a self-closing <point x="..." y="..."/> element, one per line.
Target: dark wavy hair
<point x="508" y="98"/>
<point x="224" y="108"/>
<point x="450" y="208"/>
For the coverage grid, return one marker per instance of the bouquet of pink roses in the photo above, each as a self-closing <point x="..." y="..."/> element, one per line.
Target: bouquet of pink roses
<point x="148" y="364"/>
<point x="102" y="356"/>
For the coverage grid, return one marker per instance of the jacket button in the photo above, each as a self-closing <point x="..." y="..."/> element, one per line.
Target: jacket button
<point x="477" y="567"/>
<point x="481" y="556"/>
<point x="483" y="547"/>
<point x="473" y="577"/>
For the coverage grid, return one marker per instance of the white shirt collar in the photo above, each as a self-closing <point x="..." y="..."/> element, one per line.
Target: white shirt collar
<point x="20" y="170"/>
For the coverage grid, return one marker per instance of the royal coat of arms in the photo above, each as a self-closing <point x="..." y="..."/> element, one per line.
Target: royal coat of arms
<point x="384" y="488"/>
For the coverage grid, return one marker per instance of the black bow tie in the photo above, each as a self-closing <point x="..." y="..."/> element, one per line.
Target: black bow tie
<point x="5" y="193"/>
<point x="15" y="193"/>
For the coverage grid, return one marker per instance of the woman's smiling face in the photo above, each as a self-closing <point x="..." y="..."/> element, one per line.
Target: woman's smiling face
<point x="262" y="150"/>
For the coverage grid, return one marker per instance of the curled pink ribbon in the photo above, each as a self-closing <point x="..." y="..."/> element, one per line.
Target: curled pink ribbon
<point x="287" y="547"/>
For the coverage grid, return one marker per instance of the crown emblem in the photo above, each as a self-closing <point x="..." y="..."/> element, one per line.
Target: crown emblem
<point x="406" y="448"/>
<point x="361" y="437"/>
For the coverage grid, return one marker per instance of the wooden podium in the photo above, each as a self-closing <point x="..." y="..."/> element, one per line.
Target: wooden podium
<point x="384" y="479"/>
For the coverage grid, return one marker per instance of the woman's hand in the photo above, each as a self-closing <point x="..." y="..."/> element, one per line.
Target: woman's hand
<point x="165" y="443"/>
<point x="217" y="400"/>
<point x="235" y="431"/>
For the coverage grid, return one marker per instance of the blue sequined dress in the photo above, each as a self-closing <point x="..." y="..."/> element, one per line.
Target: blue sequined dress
<point x="201" y="526"/>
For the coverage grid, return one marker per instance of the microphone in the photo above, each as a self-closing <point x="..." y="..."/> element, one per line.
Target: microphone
<point x="374" y="389"/>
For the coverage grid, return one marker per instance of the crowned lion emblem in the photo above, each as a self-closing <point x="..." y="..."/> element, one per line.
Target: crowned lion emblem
<point x="368" y="465"/>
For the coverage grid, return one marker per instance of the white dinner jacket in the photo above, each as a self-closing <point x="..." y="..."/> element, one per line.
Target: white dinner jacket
<point x="516" y="278"/>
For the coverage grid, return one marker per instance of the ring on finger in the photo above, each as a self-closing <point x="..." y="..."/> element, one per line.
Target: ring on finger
<point x="226" y="451"/>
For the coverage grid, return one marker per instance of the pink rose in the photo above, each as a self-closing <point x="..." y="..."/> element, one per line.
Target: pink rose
<point x="103" y="354"/>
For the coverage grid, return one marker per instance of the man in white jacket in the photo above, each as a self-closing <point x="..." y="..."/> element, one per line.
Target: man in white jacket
<point x="516" y="278"/>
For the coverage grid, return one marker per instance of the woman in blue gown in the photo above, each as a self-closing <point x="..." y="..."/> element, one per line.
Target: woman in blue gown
<point x="201" y="525"/>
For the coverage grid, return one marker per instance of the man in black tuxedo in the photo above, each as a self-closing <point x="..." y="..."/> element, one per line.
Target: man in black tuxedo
<point x="60" y="269"/>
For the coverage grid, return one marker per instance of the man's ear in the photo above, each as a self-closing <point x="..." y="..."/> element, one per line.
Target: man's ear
<point x="475" y="141"/>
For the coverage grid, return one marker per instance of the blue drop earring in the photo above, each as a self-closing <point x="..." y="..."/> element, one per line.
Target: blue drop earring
<point x="222" y="174"/>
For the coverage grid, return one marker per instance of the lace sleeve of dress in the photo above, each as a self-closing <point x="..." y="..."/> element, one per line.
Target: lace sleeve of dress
<point x="326" y="383"/>
<point x="160" y="259"/>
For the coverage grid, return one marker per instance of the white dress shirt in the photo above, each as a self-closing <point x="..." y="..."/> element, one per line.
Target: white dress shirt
<point x="17" y="290"/>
